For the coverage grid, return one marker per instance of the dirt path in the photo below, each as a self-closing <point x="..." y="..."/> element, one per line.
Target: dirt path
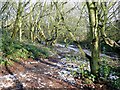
<point x="43" y="74"/>
<point x="31" y="74"/>
<point x="40" y="75"/>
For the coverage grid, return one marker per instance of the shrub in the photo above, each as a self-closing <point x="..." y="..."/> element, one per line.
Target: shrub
<point x="116" y="84"/>
<point x="36" y="52"/>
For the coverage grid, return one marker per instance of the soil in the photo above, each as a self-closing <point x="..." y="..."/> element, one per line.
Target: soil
<point x="39" y="74"/>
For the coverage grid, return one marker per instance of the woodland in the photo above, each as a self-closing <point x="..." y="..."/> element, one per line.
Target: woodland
<point x="65" y="45"/>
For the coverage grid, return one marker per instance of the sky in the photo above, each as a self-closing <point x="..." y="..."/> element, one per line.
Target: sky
<point x="72" y="1"/>
<point x="61" y="0"/>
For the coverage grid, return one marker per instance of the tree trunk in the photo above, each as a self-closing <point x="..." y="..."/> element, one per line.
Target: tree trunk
<point x="93" y="20"/>
<point x="31" y="22"/>
<point x="18" y="22"/>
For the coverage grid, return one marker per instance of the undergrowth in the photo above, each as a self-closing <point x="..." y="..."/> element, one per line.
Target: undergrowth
<point x="15" y="51"/>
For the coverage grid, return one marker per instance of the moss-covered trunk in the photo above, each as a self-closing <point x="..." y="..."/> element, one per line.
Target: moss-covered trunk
<point x="93" y="20"/>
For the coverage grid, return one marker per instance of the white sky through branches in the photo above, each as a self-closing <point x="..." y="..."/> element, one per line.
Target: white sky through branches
<point x="61" y="0"/>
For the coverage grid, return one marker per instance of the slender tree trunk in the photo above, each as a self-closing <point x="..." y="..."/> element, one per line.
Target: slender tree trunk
<point x="18" y="22"/>
<point x="93" y="20"/>
<point x="31" y="23"/>
<point x="20" y="29"/>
